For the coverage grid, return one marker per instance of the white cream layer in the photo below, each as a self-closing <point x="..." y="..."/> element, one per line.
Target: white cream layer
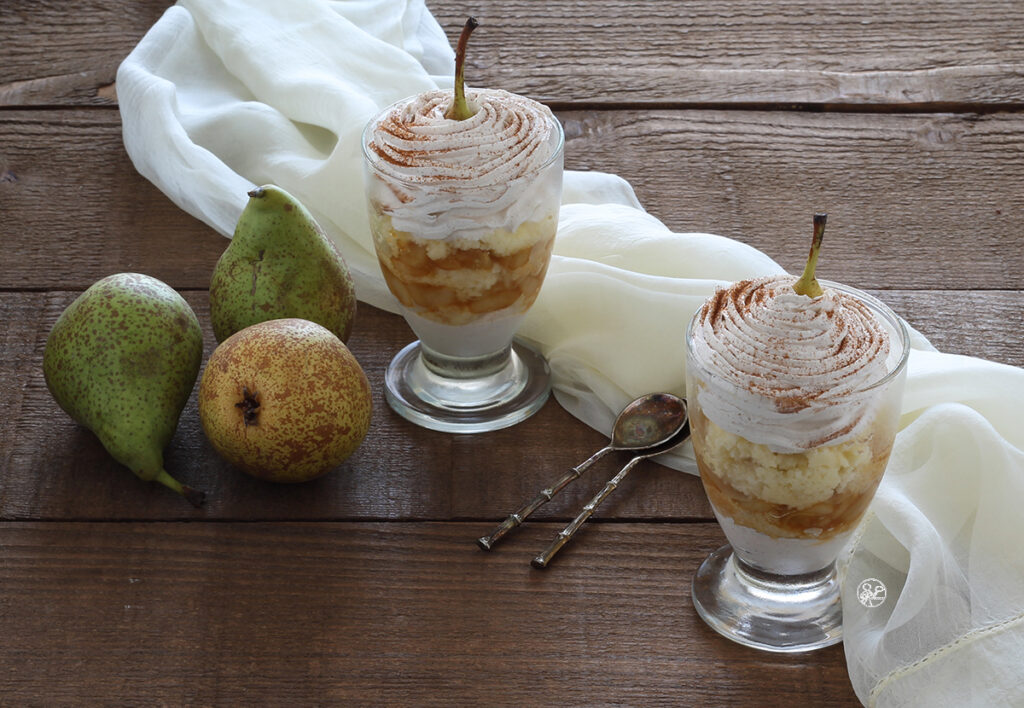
<point x="784" y="556"/>
<point x="789" y="371"/>
<point x="442" y="178"/>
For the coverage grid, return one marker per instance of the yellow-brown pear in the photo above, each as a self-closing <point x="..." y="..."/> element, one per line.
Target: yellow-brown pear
<point x="284" y="400"/>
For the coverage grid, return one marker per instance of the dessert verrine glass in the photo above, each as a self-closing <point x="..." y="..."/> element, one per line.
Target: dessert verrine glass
<point x="794" y="405"/>
<point x="463" y="216"/>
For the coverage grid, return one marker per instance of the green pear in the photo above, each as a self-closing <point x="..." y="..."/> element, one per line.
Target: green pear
<point x="280" y="264"/>
<point x="122" y="360"/>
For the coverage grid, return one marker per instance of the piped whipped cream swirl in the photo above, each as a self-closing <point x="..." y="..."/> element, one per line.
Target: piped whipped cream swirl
<point x="437" y="177"/>
<point x="789" y="371"/>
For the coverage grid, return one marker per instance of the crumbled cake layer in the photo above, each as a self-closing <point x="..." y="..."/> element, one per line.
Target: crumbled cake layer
<point x="813" y="494"/>
<point x="457" y="281"/>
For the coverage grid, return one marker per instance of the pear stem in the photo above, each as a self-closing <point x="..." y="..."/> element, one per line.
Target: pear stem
<point x="194" y="496"/>
<point x="459" y="110"/>
<point x="807" y="284"/>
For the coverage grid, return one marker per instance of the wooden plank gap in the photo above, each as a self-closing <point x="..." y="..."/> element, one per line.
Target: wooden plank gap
<point x="832" y="107"/>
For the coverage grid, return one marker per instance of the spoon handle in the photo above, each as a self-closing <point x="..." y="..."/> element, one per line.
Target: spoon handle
<point x="543" y="497"/>
<point x="565" y="534"/>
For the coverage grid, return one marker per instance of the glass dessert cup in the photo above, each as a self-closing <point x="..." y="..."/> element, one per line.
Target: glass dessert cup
<point x="464" y="282"/>
<point x="787" y="516"/>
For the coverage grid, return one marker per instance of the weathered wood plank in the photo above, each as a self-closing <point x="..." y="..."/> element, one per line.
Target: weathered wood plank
<point x="388" y="614"/>
<point x="53" y="56"/>
<point x="915" y="201"/>
<point x="954" y="321"/>
<point x="56" y="469"/>
<point x="75" y="210"/>
<point x="400" y="472"/>
<point x="802" y="51"/>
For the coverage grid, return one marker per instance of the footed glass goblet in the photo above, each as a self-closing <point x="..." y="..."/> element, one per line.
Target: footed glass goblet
<point x="788" y="514"/>
<point x="465" y="254"/>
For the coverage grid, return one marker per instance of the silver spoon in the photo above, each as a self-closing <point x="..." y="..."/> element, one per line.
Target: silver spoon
<point x="645" y="424"/>
<point x="565" y="534"/>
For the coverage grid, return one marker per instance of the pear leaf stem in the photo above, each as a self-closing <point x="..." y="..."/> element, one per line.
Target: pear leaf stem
<point x="460" y="110"/>
<point x="194" y="496"/>
<point x="807" y="284"/>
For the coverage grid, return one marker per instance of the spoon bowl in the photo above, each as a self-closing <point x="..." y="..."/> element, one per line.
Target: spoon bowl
<point x="648" y="421"/>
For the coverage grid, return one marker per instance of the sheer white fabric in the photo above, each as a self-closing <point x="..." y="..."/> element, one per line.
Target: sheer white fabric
<point x="222" y="95"/>
<point x="944" y="537"/>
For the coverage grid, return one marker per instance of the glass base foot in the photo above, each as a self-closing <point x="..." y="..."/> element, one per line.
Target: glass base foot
<point x="463" y="403"/>
<point x="770" y="612"/>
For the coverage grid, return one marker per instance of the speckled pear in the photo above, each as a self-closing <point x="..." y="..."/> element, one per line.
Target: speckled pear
<point x="284" y="400"/>
<point x="280" y="264"/>
<point x="122" y="360"/>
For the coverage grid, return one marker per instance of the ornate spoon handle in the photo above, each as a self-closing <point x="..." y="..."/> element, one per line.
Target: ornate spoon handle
<point x="565" y="534"/>
<point x="543" y="497"/>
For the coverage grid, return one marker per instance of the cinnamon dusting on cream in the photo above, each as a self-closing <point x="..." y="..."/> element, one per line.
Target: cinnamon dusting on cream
<point x="783" y="354"/>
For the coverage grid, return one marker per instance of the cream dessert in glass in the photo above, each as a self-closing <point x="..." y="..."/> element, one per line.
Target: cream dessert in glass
<point x="463" y="213"/>
<point x="794" y="404"/>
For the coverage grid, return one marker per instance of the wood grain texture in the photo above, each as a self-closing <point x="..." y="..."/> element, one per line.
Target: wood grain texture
<point x="800" y="51"/>
<point x="75" y="209"/>
<point x="953" y="321"/>
<point x="374" y="614"/>
<point x="51" y="56"/>
<point x="55" y="469"/>
<point x="914" y="202"/>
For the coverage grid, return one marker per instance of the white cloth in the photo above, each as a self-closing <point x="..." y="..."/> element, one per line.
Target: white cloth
<point x="221" y="95"/>
<point x="944" y="536"/>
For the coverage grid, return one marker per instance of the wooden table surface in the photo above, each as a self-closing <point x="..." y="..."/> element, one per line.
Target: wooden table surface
<point x="901" y="119"/>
